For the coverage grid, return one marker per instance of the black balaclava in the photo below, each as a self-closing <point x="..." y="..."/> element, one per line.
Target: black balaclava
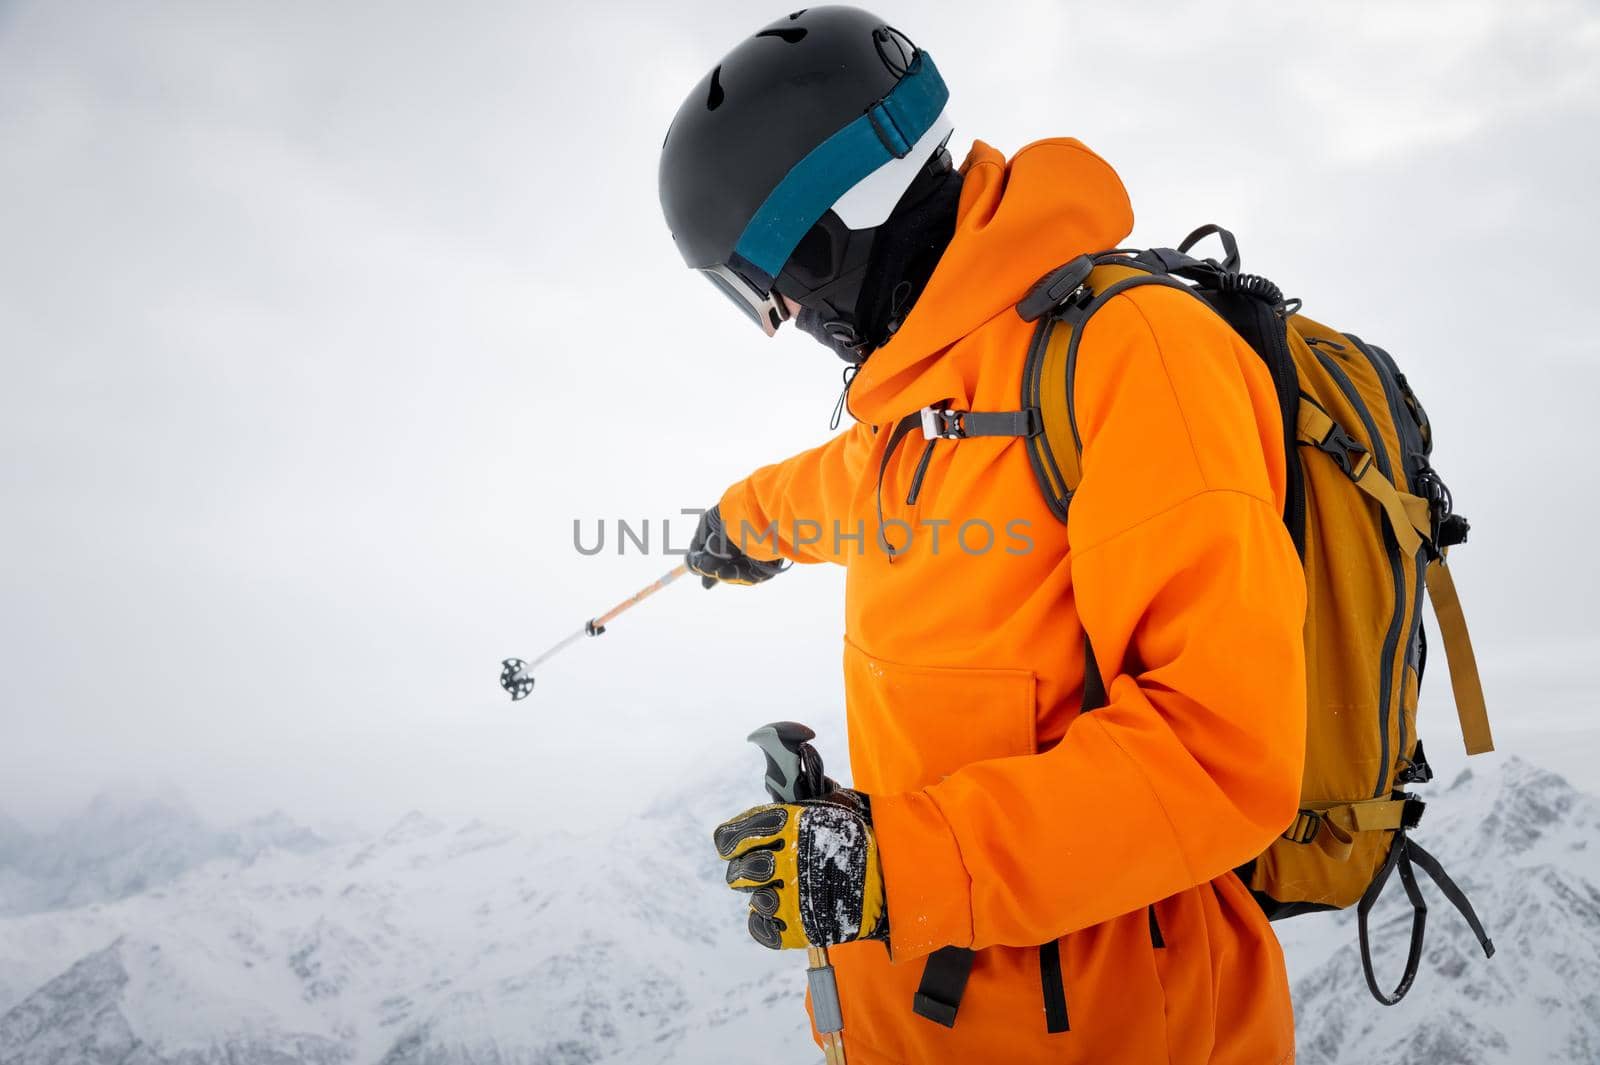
<point x="908" y="247"/>
<point x="904" y="251"/>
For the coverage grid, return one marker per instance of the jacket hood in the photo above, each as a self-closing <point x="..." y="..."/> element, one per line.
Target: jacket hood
<point x="1018" y="219"/>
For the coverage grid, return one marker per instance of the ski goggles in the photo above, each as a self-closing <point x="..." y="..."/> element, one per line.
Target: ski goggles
<point x="866" y="164"/>
<point x="764" y="307"/>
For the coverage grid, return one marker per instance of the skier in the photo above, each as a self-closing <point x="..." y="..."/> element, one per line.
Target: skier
<point x="1013" y="878"/>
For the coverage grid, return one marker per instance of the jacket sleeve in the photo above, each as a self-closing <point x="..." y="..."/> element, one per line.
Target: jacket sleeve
<point x="1191" y="591"/>
<point x="798" y="508"/>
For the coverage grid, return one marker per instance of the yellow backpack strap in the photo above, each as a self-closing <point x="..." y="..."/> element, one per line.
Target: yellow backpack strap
<point x="1463" y="663"/>
<point x="1408" y="514"/>
<point x="1410" y="519"/>
<point x="1331" y="827"/>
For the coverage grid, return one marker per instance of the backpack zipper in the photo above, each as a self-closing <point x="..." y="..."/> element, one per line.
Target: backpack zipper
<point x="1412" y="462"/>
<point x="1391" y="639"/>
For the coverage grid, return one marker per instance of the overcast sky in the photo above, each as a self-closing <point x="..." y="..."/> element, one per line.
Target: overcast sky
<point x="320" y="324"/>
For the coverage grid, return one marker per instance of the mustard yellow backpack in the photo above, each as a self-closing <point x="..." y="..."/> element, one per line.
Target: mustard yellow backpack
<point x="1373" y="523"/>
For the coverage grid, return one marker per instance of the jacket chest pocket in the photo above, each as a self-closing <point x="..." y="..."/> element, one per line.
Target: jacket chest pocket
<point x="910" y="726"/>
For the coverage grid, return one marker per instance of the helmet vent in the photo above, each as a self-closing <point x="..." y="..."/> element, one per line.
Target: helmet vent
<point x="797" y="14"/>
<point x="790" y="36"/>
<point x="714" y="97"/>
<point x="895" y="49"/>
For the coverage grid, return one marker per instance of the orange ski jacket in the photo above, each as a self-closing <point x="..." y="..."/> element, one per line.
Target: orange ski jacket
<point x="1005" y="816"/>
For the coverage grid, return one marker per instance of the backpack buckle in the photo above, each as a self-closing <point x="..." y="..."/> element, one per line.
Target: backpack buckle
<point x="1416" y="769"/>
<point x="1411" y="812"/>
<point x="1351" y="454"/>
<point x="1055" y="289"/>
<point x="941" y="424"/>
<point x="1307" y="823"/>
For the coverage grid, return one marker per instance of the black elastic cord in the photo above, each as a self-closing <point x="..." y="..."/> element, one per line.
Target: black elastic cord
<point x="844" y="395"/>
<point x="902" y="427"/>
<point x="921" y="472"/>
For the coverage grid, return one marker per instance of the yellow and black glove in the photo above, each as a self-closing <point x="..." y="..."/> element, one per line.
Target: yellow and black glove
<point x="811" y="870"/>
<point x="716" y="558"/>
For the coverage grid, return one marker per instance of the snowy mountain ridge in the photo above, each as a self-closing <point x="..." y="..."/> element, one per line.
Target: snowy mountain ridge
<point x="1525" y="847"/>
<point x="119" y="846"/>
<point x="432" y="943"/>
<point x="444" y="942"/>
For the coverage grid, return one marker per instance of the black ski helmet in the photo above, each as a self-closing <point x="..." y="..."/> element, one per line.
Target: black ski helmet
<point x="785" y="159"/>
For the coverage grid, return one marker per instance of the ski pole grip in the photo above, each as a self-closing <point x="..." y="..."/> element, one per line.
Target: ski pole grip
<point x="794" y="768"/>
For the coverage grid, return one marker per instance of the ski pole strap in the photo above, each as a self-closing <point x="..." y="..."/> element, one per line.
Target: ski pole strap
<point x="944" y="980"/>
<point x="1401" y="855"/>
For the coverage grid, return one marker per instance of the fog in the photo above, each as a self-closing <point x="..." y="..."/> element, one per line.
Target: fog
<point x="322" y="324"/>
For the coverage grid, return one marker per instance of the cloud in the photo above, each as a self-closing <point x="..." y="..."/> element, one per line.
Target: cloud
<point x="320" y="325"/>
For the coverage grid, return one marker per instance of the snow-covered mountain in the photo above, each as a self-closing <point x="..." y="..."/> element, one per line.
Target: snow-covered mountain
<point x="461" y="943"/>
<point x="1525" y="846"/>
<point x="433" y="944"/>
<point x="122" y="845"/>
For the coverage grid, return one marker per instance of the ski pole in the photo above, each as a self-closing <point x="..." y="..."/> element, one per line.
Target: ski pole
<point x="515" y="677"/>
<point x="794" y="773"/>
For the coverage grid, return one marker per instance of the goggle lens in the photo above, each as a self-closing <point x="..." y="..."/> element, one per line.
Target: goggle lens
<point x="765" y="309"/>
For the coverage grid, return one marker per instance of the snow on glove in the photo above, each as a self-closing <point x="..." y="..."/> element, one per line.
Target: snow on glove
<point x="811" y="870"/>
<point x="715" y="557"/>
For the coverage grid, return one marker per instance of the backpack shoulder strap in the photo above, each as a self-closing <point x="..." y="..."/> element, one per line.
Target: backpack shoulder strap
<point x="1062" y="302"/>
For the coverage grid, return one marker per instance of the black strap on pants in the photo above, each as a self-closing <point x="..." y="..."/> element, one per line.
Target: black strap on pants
<point x="944" y="979"/>
<point x="1054" y="987"/>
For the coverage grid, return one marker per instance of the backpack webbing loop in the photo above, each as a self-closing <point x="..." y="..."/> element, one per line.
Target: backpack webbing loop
<point x="1332" y="826"/>
<point x="1465" y="682"/>
<point x="1401" y="855"/>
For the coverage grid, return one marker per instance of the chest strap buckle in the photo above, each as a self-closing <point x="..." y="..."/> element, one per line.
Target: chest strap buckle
<point x="939" y="423"/>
